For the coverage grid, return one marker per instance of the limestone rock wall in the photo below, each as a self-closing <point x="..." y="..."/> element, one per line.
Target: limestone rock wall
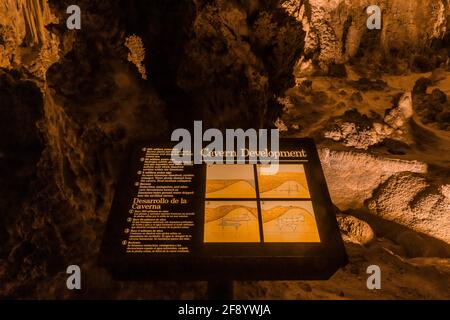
<point x="337" y="32"/>
<point x="352" y="177"/>
<point x="225" y="62"/>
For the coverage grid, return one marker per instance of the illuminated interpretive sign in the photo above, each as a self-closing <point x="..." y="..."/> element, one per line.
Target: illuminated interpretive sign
<point x="215" y="221"/>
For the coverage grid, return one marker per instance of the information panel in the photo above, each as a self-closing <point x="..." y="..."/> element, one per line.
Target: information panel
<point x="215" y="221"/>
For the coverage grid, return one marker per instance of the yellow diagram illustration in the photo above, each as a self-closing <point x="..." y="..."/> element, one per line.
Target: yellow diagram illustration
<point x="230" y="181"/>
<point x="289" y="222"/>
<point x="289" y="182"/>
<point x="231" y="222"/>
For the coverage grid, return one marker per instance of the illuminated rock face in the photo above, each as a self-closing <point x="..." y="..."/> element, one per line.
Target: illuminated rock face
<point x="224" y="63"/>
<point x="26" y="41"/>
<point x="352" y="177"/>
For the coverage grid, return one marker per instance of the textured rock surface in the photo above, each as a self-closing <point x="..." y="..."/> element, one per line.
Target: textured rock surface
<point x="433" y="108"/>
<point x="412" y="201"/>
<point x="21" y="101"/>
<point x="24" y="41"/>
<point x="420" y="278"/>
<point x="140" y="68"/>
<point x="337" y="32"/>
<point x="354" y="230"/>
